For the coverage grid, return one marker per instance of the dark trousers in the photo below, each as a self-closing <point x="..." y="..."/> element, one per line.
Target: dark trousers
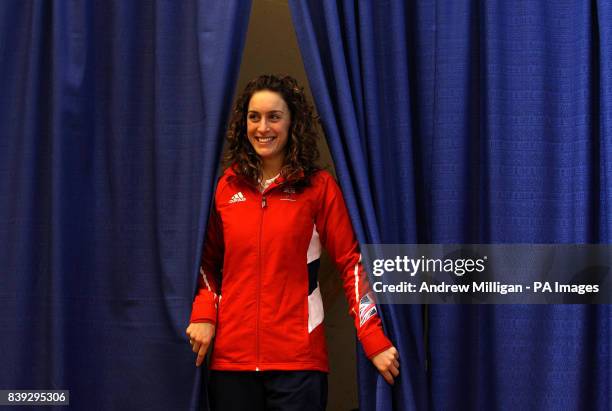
<point x="267" y="390"/>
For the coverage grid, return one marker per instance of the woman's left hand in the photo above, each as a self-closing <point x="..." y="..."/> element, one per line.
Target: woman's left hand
<point x="387" y="364"/>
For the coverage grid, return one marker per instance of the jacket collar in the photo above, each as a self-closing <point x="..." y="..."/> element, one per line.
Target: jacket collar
<point x="231" y="172"/>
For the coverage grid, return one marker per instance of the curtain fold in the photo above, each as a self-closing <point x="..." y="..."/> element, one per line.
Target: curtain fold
<point x="362" y="91"/>
<point x="473" y="122"/>
<point x="111" y="125"/>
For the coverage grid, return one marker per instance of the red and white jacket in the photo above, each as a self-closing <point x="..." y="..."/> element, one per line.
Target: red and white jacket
<point x="258" y="281"/>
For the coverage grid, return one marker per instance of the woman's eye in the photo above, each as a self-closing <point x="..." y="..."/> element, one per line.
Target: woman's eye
<point x="253" y="117"/>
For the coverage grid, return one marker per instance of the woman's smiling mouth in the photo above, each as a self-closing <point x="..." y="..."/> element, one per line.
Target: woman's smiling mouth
<point x="264" y="140"/>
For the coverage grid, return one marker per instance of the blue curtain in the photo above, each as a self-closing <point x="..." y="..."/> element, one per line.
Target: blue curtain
<point x="522" y="153"/>
<point x="111" y="122"/>
<point x="359" y="69"/>
<point x="474" y="122"/>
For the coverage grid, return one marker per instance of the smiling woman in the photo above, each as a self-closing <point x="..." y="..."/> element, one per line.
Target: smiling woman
<point x="259" y="295"/>
<point x="273" y="129"/>
<point x="268" y="122"/>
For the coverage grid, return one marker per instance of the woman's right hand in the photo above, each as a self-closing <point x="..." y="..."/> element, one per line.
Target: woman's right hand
<point x="200" y="336"/>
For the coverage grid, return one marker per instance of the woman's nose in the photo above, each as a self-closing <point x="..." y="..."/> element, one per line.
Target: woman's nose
<point x="262" y="126"/>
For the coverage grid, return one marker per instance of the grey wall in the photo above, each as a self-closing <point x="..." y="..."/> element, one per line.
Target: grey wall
<point x="271" y="47"/>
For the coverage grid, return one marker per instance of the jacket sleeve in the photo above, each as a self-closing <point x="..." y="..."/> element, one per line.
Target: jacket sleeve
<point x="338" y="238"/>
<point x="205" y="302"/>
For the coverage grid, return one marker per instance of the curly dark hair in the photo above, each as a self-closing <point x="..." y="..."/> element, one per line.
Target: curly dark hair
<point x="301" y="149"/>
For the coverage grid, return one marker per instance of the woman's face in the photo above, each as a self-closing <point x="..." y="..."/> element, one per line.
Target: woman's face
<point x="268" y="121"/>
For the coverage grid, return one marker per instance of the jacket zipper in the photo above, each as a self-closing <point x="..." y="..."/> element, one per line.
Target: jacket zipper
<point x="264" y="204"/>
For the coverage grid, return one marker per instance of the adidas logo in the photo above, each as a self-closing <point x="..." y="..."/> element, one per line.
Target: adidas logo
<point x="237" y="198"/>
<point x="289" y="190"/>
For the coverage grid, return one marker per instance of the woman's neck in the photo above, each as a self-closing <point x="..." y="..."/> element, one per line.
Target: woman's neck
<point x="271" y="168"/>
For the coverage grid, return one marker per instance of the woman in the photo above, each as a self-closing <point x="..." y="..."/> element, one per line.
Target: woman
<point x="273" y="210"/>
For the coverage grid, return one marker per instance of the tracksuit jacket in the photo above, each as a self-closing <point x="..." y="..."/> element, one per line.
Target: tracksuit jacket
<point x="258" y="276"/>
